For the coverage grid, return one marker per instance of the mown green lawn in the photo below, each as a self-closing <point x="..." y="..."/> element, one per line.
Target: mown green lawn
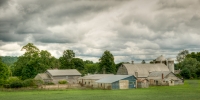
<point x="189" y="91"/>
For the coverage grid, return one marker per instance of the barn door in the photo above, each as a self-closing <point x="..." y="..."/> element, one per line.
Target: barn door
<point x="123" y="84"/>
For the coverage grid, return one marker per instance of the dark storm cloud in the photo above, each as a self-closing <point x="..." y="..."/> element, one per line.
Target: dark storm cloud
<point x="3" y="2"/>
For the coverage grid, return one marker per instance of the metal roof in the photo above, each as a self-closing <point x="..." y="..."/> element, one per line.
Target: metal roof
<point x="63" y="72"/>
<point x="143" y="70"/>
<point x="95" y="76"/>
<point x="113" y="78"/>
<point x="159" y="74"/>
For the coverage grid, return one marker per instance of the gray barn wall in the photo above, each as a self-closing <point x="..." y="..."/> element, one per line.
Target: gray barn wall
<point x="69" y="79"/>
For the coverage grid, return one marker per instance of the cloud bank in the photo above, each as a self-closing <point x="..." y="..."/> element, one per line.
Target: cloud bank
<point x="131" y="29"/>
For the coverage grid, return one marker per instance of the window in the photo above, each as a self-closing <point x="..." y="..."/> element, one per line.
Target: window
<point x="66" y="77"/>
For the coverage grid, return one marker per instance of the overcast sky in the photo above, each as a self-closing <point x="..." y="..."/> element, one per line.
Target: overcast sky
<point x="130" y="29"/>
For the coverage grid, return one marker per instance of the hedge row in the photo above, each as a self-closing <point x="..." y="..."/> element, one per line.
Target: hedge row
<point x="14" y="82"/>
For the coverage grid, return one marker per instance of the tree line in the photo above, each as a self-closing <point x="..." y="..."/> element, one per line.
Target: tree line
<point x="35" y="61"/>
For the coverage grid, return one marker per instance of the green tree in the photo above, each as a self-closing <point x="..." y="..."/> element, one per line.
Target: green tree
<point x="88" y="62"/>
<point x="78" y="64"/>
<point x="185" y="73"/>
<point x="32" y="62"/>
<point x="65" y="60"/>
<point x="194" y="55"/>
<point x="143" y="62"/>
<point x="190" y="66"/>
<point x="91" y="68"/>
<point x="181" y="55"/>
<point x="4" y="72"/>
<point x="107" y="63"/>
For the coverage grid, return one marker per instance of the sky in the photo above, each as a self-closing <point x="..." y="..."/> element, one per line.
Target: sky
<point x="130" y="29"/>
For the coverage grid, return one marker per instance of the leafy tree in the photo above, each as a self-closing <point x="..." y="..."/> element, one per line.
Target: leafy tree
<point x="65" y="60"/>
<point x="181" y="55"/>
<point x="78" y="64"/>
<point x="88" y="62"/>
<point x="189" y="66"/>
<point x="143" y="62"/>
<point x="91" y="68"/>
<point x="107" y="63"/>
<point x="185" y="73"/>
<point x="4" y="72"/>
<point x="32" y="62"/>
<point x="194" y="55"/>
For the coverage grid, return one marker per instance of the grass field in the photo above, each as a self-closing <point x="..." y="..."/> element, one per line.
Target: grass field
<point x="189" y="91"/>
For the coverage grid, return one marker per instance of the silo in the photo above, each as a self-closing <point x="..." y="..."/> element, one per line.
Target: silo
<point x="170" y="64"/>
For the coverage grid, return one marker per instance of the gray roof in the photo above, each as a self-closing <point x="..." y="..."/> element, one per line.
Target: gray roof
<point x="159" y="74"/>
<point x="95" y="76"/>
<point x="111" y="79"/>
<point x="63" y="72"/>
<point x="144" y="69"/>
<point x="44" y="76"/>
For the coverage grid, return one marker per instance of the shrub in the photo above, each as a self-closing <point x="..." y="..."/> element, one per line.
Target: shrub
<point x="62" y="82"/>
<point x="49" y="83"/>
<point x="6" y="85"/>
<point x="29" y="82"/>
<point x="16" y="84"/>
<point x="12" y="79"/>
<point x="2" y="82"/>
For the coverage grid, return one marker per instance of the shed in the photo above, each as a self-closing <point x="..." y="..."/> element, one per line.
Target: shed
<point x="90" y="80"/>
<point x="70" y="75"/>
<point x="118" y="82"/>
<point x="164" y="78"/>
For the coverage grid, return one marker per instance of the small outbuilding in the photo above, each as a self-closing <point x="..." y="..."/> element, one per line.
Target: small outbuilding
<point x="118" y="82"/>
<point x="54" y="76"/>
<point x="166" y="78"/>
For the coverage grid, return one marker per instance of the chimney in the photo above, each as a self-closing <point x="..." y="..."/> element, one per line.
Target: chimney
<point x="149" y="72"/>
<point x="132" y="62"/>
<point x="136" y="74"/>
<point x="162" y="76"/>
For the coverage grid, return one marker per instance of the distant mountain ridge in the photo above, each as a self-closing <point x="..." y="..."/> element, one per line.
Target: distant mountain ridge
<point x="9" y="60"/>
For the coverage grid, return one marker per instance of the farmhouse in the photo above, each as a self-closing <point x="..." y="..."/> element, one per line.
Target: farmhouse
<point x="89" y="80"/>
<point x="70" y="75"/>
<point x="118" y="82"/>
<point x="142" y="71"/>
<point x="164" y="78"/>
